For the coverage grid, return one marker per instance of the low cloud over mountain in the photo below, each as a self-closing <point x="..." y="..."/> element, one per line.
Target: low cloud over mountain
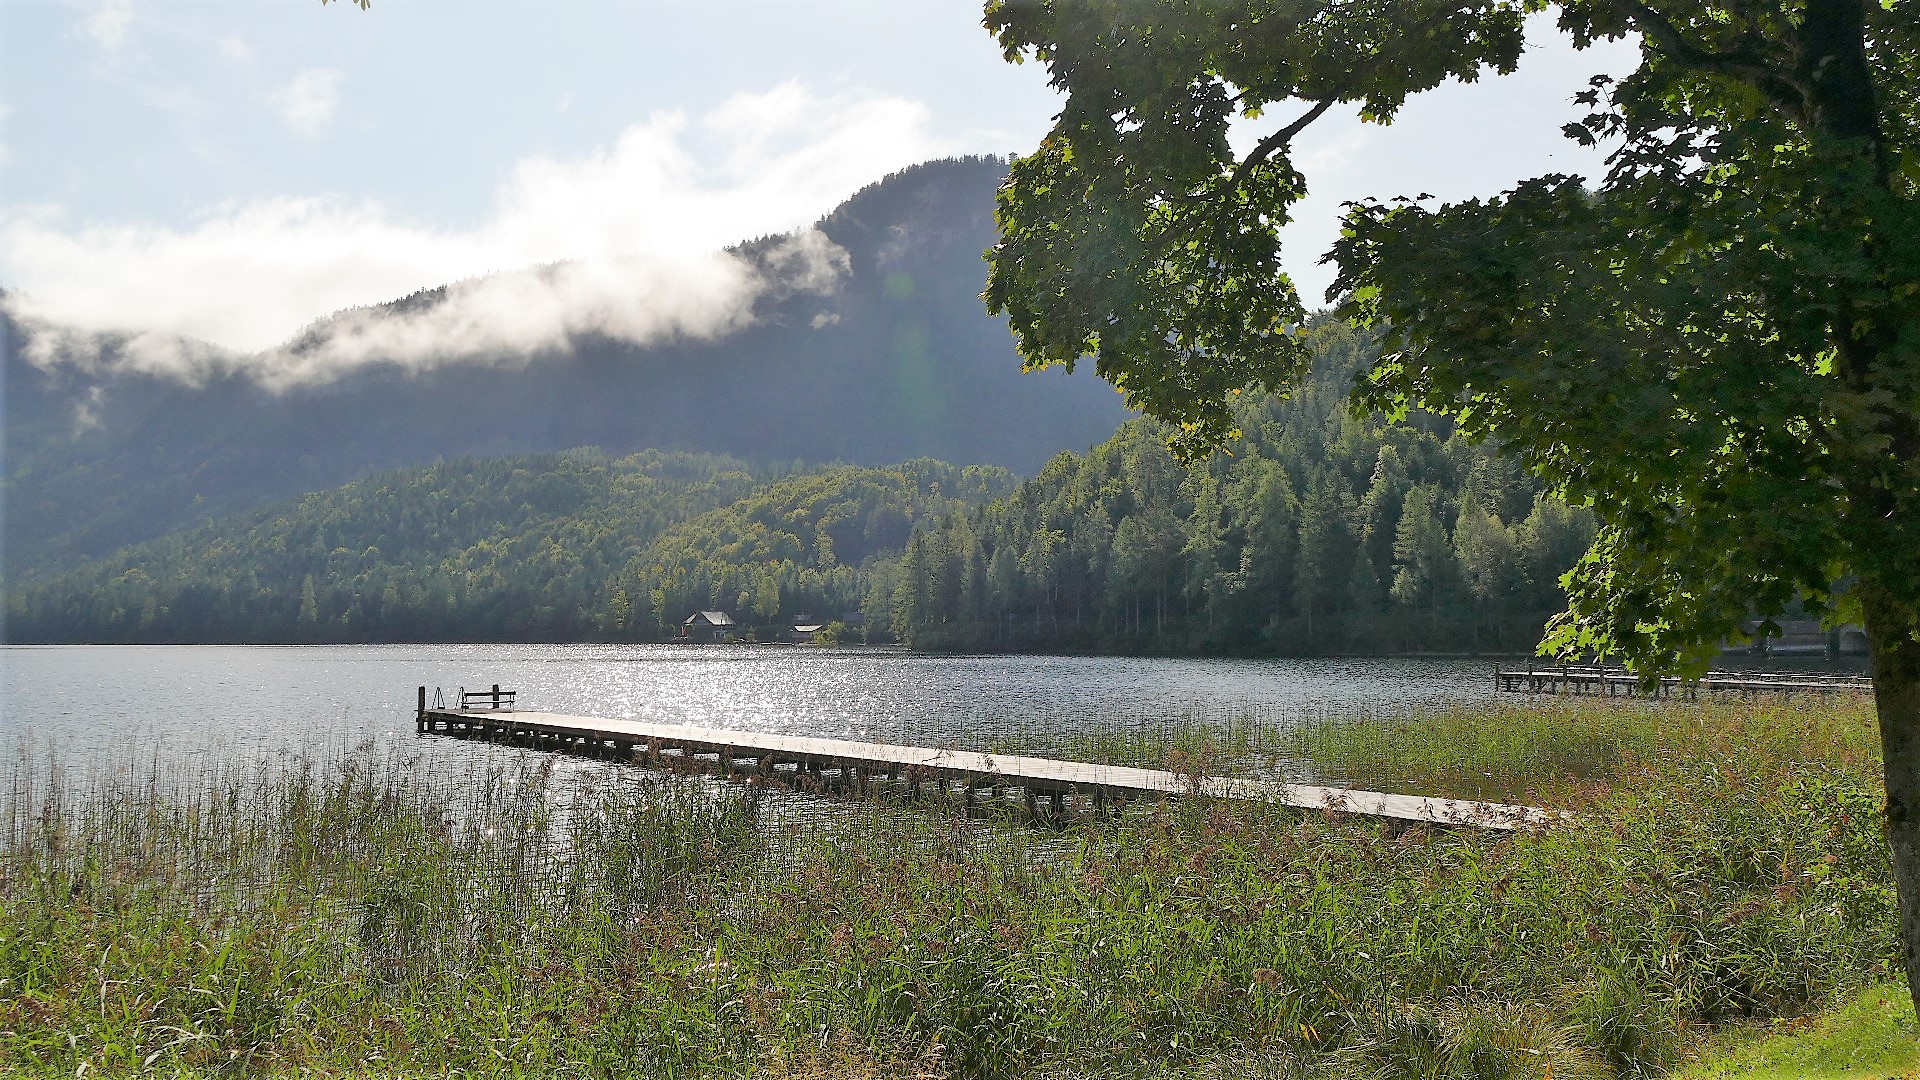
<point x="631" y="240"/>
<point x="861" y="338"/>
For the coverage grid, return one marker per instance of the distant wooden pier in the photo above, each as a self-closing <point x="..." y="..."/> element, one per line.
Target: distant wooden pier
<point x="1618" y="682"/>
<point x="1049" y="788"/>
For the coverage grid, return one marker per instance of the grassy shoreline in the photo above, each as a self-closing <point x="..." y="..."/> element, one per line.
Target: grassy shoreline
<point x="365" y="912"/>
<point x="1873" y="1036"/>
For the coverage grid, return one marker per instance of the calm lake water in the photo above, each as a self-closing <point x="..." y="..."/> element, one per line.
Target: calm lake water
<point x="95" y="702"/>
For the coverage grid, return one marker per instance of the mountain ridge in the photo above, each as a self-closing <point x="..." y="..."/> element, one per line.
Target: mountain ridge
<point x="900" y="361"/>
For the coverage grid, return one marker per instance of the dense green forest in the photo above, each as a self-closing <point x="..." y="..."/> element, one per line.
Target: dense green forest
<point x="1318" y="531"/>
<point x="821" y="546"/>
<point x="557" y="547"/>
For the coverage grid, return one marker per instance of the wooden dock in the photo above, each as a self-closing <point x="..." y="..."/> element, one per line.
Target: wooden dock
<point x="1050" y="789"/>
<point x="1618" y="682"/>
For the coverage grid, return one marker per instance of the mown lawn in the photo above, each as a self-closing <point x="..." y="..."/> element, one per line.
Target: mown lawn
<point x="1871" y="1037"/>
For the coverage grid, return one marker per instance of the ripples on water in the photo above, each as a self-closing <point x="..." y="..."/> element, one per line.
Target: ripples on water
<point x="127" y="708"/>
<point x="91" y="700"/>
<point x="132" y="710"/>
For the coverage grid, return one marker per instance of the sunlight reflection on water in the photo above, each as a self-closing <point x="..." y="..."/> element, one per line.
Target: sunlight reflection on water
<point x="95" y="701"/>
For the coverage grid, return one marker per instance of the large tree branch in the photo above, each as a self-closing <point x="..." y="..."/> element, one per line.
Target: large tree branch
<point x="1842" y="99"/>
<point x="1262" y="152"/>
<point x="1747" y="64"/>
<point x="1266" y="147"/>
<point x="1674" y="45"/>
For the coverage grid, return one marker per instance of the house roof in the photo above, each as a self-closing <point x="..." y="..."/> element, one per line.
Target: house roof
<point x="809" y="628"/>
<point x="711" y="618"/>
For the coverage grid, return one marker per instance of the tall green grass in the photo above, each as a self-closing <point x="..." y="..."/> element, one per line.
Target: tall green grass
<point x="384" y="912"/>
<point x="1540" y="748"/>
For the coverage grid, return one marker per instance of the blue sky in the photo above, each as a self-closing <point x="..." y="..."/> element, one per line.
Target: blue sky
<point x="232" y="169"/>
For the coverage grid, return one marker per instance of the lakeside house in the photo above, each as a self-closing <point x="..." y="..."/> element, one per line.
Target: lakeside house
<point x="712" y="626"/>
<point x="803" y="633"/>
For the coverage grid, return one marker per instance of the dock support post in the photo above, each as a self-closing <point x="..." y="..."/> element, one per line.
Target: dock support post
<point x="420" y="712"/>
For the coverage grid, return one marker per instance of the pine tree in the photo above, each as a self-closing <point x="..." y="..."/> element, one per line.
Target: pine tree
<point x="1326" y="549"/>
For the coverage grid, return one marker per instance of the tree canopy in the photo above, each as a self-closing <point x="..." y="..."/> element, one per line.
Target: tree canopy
<point x="1715" y="345"/>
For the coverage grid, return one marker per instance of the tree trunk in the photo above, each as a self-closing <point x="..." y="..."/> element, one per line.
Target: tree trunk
<point x="1840" y="104"/>
<point x="1896" y="695"/>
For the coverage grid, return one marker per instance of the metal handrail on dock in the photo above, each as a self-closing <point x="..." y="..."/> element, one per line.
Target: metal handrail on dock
<point x="1618" y="682"/>
<point x="815" y="764"/>
<point x="493" y="700"/>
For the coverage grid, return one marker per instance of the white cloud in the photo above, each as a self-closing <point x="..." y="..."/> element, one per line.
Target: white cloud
<point x="512" y="317"/>
<point x="106" y="23"/>
<point x="308" y="102"/>
<point x="638" y="226"/>
<point x="235" y="47"/>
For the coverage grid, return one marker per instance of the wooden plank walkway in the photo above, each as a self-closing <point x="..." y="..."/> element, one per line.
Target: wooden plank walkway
<point x="1617" y="682"/>
<point x="807" y="763"/>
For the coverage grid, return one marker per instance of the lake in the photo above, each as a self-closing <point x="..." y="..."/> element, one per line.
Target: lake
<point x="94" y="701"/>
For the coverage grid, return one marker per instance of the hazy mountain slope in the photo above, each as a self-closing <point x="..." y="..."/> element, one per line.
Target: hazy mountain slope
<point x="899" y="362"/>
<point x="567" y="547"/>
<point x="1321" y="532"/>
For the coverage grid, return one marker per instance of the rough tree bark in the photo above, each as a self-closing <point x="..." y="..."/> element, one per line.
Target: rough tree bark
<point x="1839" y="103"/>
<point x="1896" y="693"/>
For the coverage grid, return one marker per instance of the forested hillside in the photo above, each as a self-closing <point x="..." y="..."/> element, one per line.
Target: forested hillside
<point x="560" y="547"/>
<point x="823" y="546"/>
<point x="1318" y="532"/>
<point x="897" y="359"/>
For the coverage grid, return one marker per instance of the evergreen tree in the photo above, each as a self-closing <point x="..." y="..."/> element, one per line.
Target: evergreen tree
<point x="1326" y="550"/>
<point x="1485" y="552"/>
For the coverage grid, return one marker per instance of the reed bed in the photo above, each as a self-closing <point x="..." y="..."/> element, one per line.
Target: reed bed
<point x="1520" y="749"/>
<point x="369" y="911"/>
